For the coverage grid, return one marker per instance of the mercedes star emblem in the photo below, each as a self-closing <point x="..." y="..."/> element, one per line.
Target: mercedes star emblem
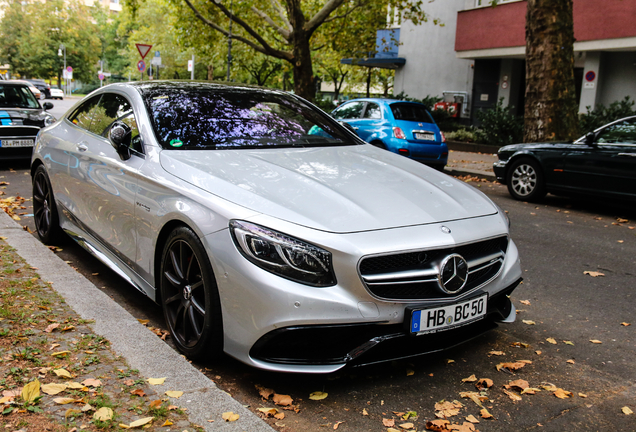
<point x="453" y="274"/>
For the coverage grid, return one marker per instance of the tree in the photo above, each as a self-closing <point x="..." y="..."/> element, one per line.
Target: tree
<point x="288" y="32"/>
<point x="550" y="102"/>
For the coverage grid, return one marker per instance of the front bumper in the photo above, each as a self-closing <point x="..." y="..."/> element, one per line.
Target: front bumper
<point x="280" y="325"/>
<point x="499" y="168"/>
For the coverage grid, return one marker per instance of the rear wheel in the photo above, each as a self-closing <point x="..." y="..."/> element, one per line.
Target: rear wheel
<point x="378" y="144"/>
<point x="525" y="180"/>
<point x="45" y="214"/>
<point x="189" y="296"/>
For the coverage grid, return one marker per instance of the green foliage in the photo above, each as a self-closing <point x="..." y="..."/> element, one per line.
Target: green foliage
<point x="462" y="134"/>
<point x="601" y="115"/>
<point x="499" y="126"/>
<point x="428" y="101"/>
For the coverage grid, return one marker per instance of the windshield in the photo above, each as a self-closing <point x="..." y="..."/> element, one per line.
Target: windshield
<point x="203" y="117"/>
<point x="411" y="112"/>
<point x="17" y="96"/>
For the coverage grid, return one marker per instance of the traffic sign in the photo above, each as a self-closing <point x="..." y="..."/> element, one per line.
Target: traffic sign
<point x="156" y="60"/>
<point x="141" y="66"/>
<point x="143" y="50"/>
<point x="101" y="77"/>
<point x="70" y="69"/>
<point x="590" y="76"/>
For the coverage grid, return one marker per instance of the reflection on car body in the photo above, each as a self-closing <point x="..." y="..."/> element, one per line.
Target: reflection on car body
<point x="268" y="231"/>
<point x="601" y="163"/>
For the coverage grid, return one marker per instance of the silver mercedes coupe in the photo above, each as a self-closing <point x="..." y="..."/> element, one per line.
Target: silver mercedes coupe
<point x="269" y="231"/>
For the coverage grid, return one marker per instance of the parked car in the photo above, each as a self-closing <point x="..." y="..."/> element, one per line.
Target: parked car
<point x="57" y="93"/>
<point x="405" y="128"/>
<point x="601" y="163"/>
<point x="21" y="118"/>
<point x="43" y="86"/>
<point x="268" y="230"/>
<point x="36" y="92"/>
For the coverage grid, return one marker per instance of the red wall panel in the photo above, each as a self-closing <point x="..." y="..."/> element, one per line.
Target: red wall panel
<point x="503" y="26"/>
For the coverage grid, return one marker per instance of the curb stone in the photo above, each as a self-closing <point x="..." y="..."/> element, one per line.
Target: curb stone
<point x="141" y="348"/>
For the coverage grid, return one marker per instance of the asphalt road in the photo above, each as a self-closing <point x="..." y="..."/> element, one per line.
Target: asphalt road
<point x="559" y="240"/>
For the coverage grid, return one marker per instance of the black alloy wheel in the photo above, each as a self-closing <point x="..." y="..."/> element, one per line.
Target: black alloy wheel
<point x="45" y="213"/>
<point x="190" y="297"/>
<point x="525" y="180"/>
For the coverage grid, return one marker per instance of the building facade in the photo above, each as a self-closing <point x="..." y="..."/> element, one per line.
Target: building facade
<point x="480" y="50"/>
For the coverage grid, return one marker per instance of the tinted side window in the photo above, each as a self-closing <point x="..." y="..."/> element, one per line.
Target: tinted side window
<point x="373" y="111"/>
<point x="623" y="132"/>
<point x="112" y="108"/>
<point x="351" y="110"/>
<point x="83" y="115"/>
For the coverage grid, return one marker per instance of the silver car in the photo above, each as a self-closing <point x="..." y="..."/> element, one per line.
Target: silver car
<point x="269" y="231"/>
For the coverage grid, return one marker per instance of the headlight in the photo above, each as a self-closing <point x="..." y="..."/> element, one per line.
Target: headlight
<point x="283" y="255"/>
<point x="49" y="120"/>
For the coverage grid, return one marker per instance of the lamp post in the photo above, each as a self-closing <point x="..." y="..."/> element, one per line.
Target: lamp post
<point x="229" y="45"/>
<point x="59" y="53"/>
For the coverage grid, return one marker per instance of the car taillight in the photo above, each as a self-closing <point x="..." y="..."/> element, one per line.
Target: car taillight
<point x="443" y="137"/>
<point x="397" y="132"/>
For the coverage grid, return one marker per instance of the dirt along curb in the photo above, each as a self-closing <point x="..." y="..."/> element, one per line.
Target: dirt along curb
<point x="76" y="329"/>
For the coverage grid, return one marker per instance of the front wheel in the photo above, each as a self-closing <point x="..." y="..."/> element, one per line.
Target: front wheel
<point x="525" y="180"/>
<point x="45" y="214"/>
<point x="190" y="297"/>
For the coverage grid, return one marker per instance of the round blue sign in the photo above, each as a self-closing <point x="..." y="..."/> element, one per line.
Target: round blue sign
<point x="141" y="66"/>
<point x="590" y="76"/>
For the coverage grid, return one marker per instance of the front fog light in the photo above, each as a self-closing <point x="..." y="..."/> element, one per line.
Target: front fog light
<point x="283" y="255"/>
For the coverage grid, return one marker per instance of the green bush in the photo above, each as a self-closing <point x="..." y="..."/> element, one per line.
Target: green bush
<point x="499" y="126"/>
<point x="325" y="104"/>
<point x="602" y="115"/>
<point x="462" y="134"/>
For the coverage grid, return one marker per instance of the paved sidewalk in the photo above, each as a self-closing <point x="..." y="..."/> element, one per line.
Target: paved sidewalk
<point x="139" y="346"/>
<point x="473" y="164"/>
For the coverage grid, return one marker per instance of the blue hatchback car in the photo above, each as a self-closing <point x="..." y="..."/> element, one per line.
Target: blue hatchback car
<point x="405" y="128"/>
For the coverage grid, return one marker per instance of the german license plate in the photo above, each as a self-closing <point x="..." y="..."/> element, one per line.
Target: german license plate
<point x="17" y="143"/>
<point x="425" y="136"/>
<point x="433" y="320"/>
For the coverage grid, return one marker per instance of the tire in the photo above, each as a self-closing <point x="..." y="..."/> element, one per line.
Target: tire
<point x="190" y="297"/>
<point x="525" y="180"/>
<point x="47" y="222"/>
<point x="378" y="144"/>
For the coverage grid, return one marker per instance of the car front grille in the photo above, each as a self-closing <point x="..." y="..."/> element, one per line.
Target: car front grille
<point x="414" y="275"/>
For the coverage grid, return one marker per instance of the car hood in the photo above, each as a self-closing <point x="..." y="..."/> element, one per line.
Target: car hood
<point x="22" y="116"/>
<point x="535" y="146"/>
<point x="335" y="189"/>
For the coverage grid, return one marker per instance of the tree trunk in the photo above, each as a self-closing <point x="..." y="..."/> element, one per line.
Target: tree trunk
<point x="303" y="71"/>
<point x="550" y="102"/>
<point x="210" y="72"/>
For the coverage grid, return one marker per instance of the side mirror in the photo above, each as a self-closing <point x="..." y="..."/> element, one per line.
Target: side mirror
<point x="47" y="106"/>
<point x="590" y="139"/>
<point x="120" y="136"/>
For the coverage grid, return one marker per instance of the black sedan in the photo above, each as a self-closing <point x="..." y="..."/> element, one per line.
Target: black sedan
<point x="601" y="163"/>
<point x="21" y="118"/>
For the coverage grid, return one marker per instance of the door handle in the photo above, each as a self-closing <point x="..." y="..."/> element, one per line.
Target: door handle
<point x="82" y="146"/>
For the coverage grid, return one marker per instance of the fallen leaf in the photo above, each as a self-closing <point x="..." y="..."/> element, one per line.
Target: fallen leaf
<point x="568" y="342"/>
<point x="518" y="384"/>
<point x="285" y="400"/>
<point x="72" y="413"/>
<point x="103" y="414"/>
<point x="595" y="341"/>
<point x="484" y="383"/>
<point x="511" y="366"/>
<point x="62" y="373"/>
<point x="60" y="353"/>
<point x="51" y="327"/>
<point x="525" y="302"/>
<point x="318" y="395"/>
<point x="520" y="344"/>
<point x="155" y="403"/>
<point x="141" y="321"/>
<point x="388" y="422"/>
<point x="570" y="361"/>
<point x="410" y="372"/>
<point x="627" y="411"/>
<point x="528" y="322"/>
<point x="537" y="352"/>
<point x="449" y="361"/>
<point x="552" y="341"/>
<point x="407" y="425"/>
<point x="138" y="392"/>
<point x="74" y="385"/>
<point x="548" y="387"/>
<point x="408" y="415"/>
<point x="515" y="397"/>
<point x="141" y="422"/>
<point x="625" y="324"/>
<point x="583" y="395"/>
<point x="156" y="381"/>
<point x="471" y="378"/>
<point x="530" y="390"/>
<point x="31" y="391"/>
<point x="593" y="273"/>
<point x="167" y="423"/>
<point x="174" y="394"/>
<point x="64" y="400"/>
<point x="269" y="411"/>
<point x="485" y="414"/>
<point x="229" y="416"/>
<point x="335" y="426"/>
<point x="447" y="409"/>
<point x="264" y="392"/>
<point x="562" y="394"/>
<point x="365" y="412"/>
<point x="471" y="418"/>
<point x="475" y="397"/>
<point x="90" y="382"/>
<point x="53" y="389"/>
<point x="437" y="425"/>
<point x="497" y="353"/>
